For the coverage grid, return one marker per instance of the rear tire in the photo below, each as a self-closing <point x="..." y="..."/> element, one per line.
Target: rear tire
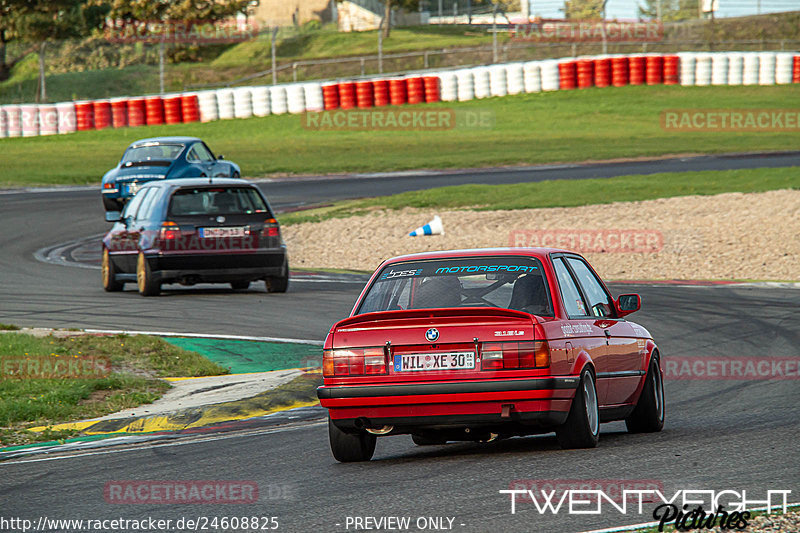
<point x="110" y="204"/>
<point x="648" y="416"/>
<point x="279" y="283"/>
<point x="351" y="447"/>
<point x="144" y="278"/>
<point x="427" y="440"/>
<point x="110" y="284"/>
<point x="240" y="285"/>
<point x="582" y="427"/>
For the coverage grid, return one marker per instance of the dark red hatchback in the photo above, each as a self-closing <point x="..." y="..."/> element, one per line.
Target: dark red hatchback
<point x="195" y="231"/>
<point x="486" y="344"/>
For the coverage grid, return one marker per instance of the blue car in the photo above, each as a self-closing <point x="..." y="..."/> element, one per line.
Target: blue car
<point x="161" y="158"/>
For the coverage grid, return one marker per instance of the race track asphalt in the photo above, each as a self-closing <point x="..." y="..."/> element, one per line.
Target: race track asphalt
<point x="719" y="434"/>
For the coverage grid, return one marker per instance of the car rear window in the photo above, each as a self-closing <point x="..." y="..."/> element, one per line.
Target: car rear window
<point x="506" y="282"/>
<point x="151" y="152"/>
<point x="216" y="201"/>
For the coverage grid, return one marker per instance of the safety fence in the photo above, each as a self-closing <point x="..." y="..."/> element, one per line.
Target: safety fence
<point x="684" y="68"/>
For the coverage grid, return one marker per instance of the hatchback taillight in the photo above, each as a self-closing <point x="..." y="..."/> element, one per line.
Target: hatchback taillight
<point x="511" y="355"/>
<point x="271" y="228"/>
<point x="353" y="362"/>
<point x="169" y="231"/>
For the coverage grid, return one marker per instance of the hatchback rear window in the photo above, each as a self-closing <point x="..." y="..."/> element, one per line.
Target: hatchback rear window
<point x="216" y="201"/>
<point x="506" y="282"/>
<point x="151" y="152"/>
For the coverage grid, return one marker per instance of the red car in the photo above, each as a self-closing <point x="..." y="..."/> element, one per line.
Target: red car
<point x="474" y="345"/>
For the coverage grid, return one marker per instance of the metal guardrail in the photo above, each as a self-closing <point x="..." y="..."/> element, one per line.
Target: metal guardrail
<point x="502" y="55"/>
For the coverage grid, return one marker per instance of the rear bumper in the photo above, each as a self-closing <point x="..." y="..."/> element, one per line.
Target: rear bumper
<point x="218" y="267"/>
<point x="534" y="403"/>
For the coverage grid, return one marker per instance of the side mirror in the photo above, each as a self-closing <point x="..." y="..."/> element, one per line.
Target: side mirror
<point x="627" y="304"/>
<point x="113" y="216"/>
<point x="220" y="157"/>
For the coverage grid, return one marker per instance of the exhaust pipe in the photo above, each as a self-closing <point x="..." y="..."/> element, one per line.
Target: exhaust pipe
<point x="380" y="431"/>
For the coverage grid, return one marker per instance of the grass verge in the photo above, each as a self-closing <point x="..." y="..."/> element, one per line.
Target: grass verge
<point x="564" y="193"/>
<point x="136" y="362"/>
<point x="591" y="124"/>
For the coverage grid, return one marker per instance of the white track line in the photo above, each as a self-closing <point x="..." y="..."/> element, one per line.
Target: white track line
<point x="636" y="527"/>
<point x="204" y="336"/>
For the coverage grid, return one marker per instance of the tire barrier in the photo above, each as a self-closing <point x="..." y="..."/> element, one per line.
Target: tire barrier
<point x="465" y="81"/>
<point x="190" y="107"/>
<point x="67" y="121"/>
<point x="619" y="71"/>
<point x="415" y="88"/>
<point x="119" y="112"/>
<point x="295" y="98"/>
<point x="330" y="95"/>
<point x="261" y="105"/>
<point x="602" y="72"/>
<point x="172" y="109"/>
<point x="347" y="95"/>
<point x="584" y="69"/>
<point x="365" y="97"/>
<point x="515" y="78"/>
<point x="431" y="84"/>
<point x="13" y="121"/>
<point x="532" y="73"/>
<point x="567" y="75"/>
<point x="242" y="102"/>
<point x="277" y="100"/>
<point x="154" y="110"/>
<point x="226" y="106"/>
<point x="684" y="68"/>
<point x="398" y="92"/>
<point x="48" y="119"/>
<point x="637" y="69"/>
<point x="312" y="92"/>
<point x="102" y="114"/>
<point x="3" y="123"/>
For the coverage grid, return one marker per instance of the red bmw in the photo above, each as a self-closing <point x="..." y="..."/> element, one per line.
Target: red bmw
<point x="482" y="344"/>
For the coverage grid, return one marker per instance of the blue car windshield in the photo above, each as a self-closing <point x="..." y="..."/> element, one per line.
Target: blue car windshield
<point x="510" y="282"/>
<point x="151" y="152"/>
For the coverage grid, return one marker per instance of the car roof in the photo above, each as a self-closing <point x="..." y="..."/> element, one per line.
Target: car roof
<point x="539" y="253"/>
<point x="198" y="182"/>
<point x="182" y="140"/>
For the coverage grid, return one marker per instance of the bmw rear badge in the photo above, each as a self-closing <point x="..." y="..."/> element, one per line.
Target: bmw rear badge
<point x="432" y="334"/>
<point x="220" y="219"/>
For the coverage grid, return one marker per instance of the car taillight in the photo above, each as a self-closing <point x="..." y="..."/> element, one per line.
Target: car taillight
<point x="169" y="231"/>
<point x="510" y="355"/>
<point x="353" y="362"/>
<point x="108" y="185"/>
<point x="271" y="228"/>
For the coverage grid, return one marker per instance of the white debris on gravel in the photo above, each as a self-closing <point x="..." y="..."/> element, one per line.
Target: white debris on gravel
<point x="726" y="236"/>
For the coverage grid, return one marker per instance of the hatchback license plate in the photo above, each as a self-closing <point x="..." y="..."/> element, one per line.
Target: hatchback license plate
<point x="217" y="233"/>
<point x="415" y="362"/>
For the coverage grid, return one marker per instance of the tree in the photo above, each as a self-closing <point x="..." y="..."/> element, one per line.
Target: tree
<point x="9" y="14"/>
<point x="388" y="6"/>
<point x="40" y="21"/>
<point x="181" y="10"/>
<point x="584" y="9"/>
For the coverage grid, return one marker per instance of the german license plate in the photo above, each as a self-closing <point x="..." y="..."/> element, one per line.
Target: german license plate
<point x="218" y="233"/>
<point x="416" y="362"/>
